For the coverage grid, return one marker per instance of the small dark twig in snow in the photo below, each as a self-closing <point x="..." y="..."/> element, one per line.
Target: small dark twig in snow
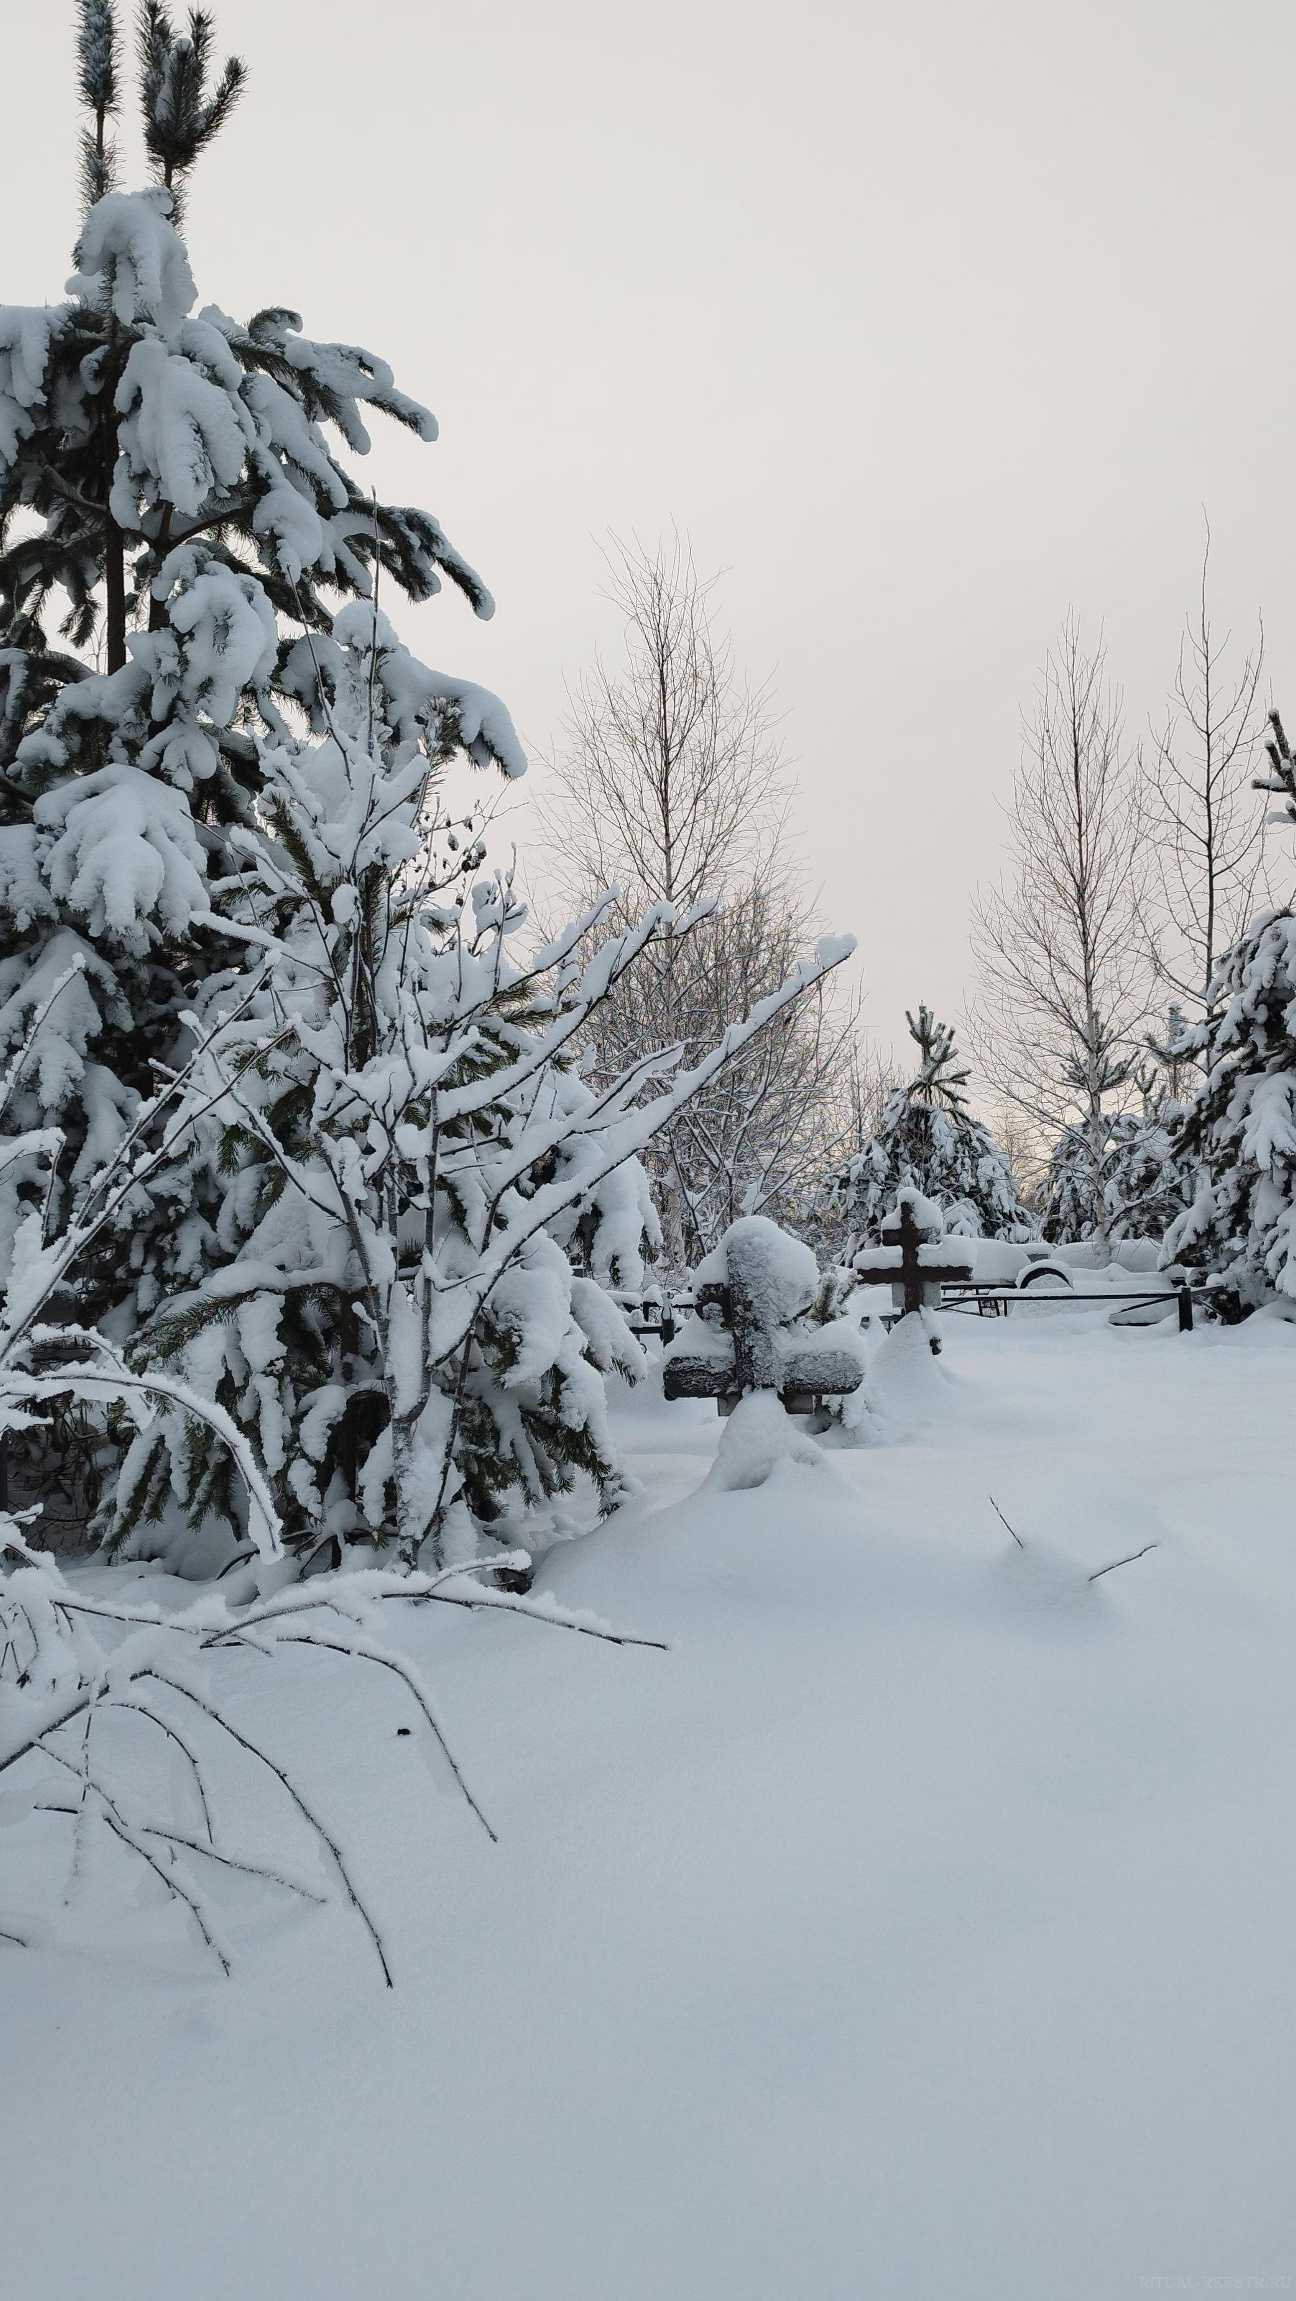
<point x="363" y="1653"/>
<point x="1003" y="1522"/>
<point x="1123" y="1561"/>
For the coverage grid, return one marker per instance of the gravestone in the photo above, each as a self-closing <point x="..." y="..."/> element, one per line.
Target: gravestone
<point x="750" y="1330"/>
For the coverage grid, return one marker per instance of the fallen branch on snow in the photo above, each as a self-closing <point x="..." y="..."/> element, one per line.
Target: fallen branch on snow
<point x="1134" y="1554"/>
<point x="57" y="1674"/>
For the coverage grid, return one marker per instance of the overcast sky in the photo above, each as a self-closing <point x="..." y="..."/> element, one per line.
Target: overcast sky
<point x="927" y="321"/>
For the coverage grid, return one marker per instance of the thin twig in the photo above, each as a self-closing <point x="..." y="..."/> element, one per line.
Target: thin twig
<point x="409" y="1680"/>
<point x="1123" y="1561"/>
<point x="499" y="1601"/>
<point x="1004" y="1522"/>
<point x="173" y="1884"/>
<point x="212" y="1853"/>
<point x="164" y="1726"/>
<point x="353" y="1895"/>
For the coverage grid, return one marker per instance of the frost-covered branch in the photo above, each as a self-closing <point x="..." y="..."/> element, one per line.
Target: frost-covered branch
<point x="76" y="1665"/>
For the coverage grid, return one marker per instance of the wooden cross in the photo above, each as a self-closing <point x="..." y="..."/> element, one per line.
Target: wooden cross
<point x="912" y="1282"/>
<point x="753" y="1358"/>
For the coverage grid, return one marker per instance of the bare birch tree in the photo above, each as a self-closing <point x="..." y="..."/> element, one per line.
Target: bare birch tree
<point x="668" y="778"/>
<point x="869" y="1077"/>
<point x="668" y="783"/>
<point x="1064" y="979"/>
<point x="1020" y="1146"/>
<point x="1203" y="826"/>
<point x="762" y="1138"/>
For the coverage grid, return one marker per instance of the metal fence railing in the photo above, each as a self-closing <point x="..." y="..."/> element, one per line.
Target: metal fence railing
<point x="977" y="1300"/>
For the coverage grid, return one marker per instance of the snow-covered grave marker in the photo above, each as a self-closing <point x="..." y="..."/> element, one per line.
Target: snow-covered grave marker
<point x="748" y="1332"/>
<point x="915" y="1258"/>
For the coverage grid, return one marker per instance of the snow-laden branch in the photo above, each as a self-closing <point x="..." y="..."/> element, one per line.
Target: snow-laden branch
<point x="83" y="1379"/>
<point x="75" y="1662"/>
<point x="625" y="1139"/>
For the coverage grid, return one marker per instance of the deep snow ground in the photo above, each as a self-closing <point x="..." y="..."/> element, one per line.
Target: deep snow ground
<point x="923" y="1924"/>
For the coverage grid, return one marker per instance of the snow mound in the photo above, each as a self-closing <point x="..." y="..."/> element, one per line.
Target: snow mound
<point x="908" y="1385"/>
<point x="760" y="1438"/>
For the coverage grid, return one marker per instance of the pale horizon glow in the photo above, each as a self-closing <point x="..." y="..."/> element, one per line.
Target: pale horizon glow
<point x="925" y="325"/>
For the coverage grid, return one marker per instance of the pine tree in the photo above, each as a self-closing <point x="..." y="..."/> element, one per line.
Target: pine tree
<point x="1238" y="1131"/>
<point x="407" y="1299"/>
<point x="171" y="499"/>
<point x="1145" y="1180"/>
<point x="97" y="60"/>
<point x="180" y="115"/>
<point x="1150" y="1182"/>
<point x="929" y="1138"/>
<point x="359" y="1188"/>
<point x="1066" y="1191"/>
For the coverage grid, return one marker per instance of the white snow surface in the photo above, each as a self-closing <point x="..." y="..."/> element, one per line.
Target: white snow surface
<point x="919" y="1925"/>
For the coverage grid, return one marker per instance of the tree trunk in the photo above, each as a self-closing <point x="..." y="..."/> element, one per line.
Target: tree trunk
<point x="115" y="588"/>
<point x="114" y="540"/>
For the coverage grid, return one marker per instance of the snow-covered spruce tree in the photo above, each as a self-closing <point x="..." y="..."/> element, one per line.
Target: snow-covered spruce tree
<point x="1066" y="1189"/>
<point x="1146" y="1180"/>
<point x="1238" y="1132"/>
<point x="927" y="1137"/>
<point x="175" y="499"/>
<point x="423" y="1201"/>
<point x="1150" y="1182"/>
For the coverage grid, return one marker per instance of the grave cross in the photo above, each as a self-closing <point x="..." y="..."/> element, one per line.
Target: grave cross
<point x="913" y="1282"/>
<point x="760" y="1350"/>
